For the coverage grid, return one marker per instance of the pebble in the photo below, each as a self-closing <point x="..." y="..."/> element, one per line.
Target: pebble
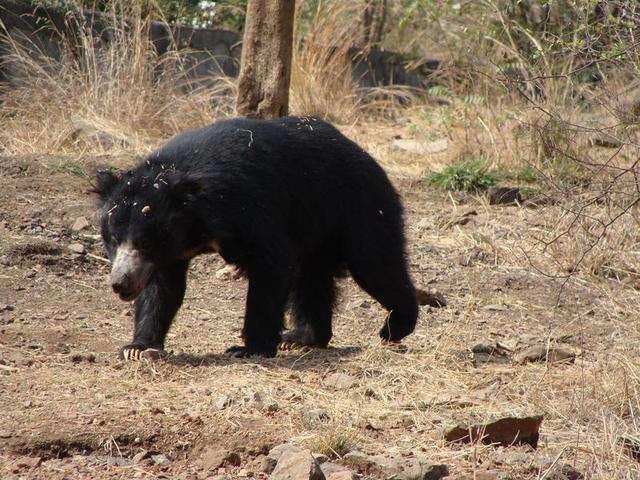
<point x="76" y="248"/>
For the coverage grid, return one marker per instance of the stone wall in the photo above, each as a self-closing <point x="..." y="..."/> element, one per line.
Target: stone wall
<point x="208" y="53"/>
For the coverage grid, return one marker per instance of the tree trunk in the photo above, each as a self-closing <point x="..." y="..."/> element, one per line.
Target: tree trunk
<point x="265" y="66"/>
<point x="374" y="15"/>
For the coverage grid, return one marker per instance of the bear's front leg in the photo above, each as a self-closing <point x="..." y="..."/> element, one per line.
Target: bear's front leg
<point x="155" y="309"/>
<point x="264" y="314"/>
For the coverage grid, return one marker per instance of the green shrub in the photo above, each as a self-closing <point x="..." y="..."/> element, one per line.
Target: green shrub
<point x="471" y="175"/>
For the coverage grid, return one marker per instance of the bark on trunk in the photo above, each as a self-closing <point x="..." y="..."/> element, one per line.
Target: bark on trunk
<point x="265" y="66"/>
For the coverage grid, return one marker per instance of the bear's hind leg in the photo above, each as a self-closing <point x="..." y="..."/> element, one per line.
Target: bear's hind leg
<point x="155" y="309"/>
<point x="312" y="299"/>
<point x="384" y="276"/>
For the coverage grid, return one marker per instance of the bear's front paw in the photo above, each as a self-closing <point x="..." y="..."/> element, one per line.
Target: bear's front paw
<point x="239" y="351"/>
<point x="131" y="351"/>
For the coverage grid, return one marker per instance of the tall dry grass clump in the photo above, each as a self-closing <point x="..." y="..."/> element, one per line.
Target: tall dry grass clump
<point x="122" y="88"/>
<point x="321" y="79"/>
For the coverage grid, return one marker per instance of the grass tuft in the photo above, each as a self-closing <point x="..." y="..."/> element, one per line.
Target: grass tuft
<point x="470" y="175"/>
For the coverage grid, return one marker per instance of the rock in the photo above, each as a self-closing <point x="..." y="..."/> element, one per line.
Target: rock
<point x="505" y="431"/>
<point x="160" y="459"/>
<point x="314" y="417"/>
<point x="80" y="224"/>
<point x="5" y="434"/>
<point x="276" y="452"/>
<point x="28" y="462"/>
<point x="76" y="248"/>
<point x="504" y="195"/>
<point x="548" y="353"/>
<point x="358" y="459"/>
<point x="342" y="475"/>
<point x="153" y="354"/>
<point x="296" y="464"/>
<point x="421" y="148"/>
<point x="213" y="458"/>
<point x="271" y="406"/>
<point x="554" y="470"/>
<point x="340" y="381"/>
<point x="432" y="298"/>
<point x="488" y="351"/>
<point x="396" y="466"/>
<point x="223" y="402"/>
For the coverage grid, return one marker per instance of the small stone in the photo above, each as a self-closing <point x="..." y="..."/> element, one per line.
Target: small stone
<point x="561" y="471"/>
<point x="504" y="195"/>
<point x="296" y="465"/>
<point x="80" y="224"/>
<point x="314" y="417"/>
<point x="358" y="459"/>
<point x="213" y="458"/>
<point x="76" y="248"/>
<point x="342" y="475"/>
<point x="5" y="434"/>
<point x="271" y="406"/>
<point x="28" y="462"/>
<point x="161" y="459"/>
<point x="275" y="453"/>
<point x="505" y="431"/>
<point x="6" y="308"/>
<point x="340" y="381"/>
<point x="223" y="402"/>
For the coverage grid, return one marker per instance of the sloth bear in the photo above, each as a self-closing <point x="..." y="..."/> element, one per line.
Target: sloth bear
<point x="289" y="201"/>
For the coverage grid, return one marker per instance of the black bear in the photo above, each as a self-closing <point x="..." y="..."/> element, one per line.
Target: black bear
<point x="288" y="201"/>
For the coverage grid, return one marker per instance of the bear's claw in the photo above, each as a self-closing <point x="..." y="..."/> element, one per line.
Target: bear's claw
<point x="239" y="351"/>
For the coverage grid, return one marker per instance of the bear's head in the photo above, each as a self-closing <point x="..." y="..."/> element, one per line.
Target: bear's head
<point x="148" y="220"/>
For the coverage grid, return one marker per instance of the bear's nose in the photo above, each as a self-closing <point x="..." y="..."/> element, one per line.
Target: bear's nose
<point x="120" y="286"/>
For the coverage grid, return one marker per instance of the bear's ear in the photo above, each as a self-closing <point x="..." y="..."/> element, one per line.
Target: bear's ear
<point x="184" y="186"/>
<point x="104" y="182"/>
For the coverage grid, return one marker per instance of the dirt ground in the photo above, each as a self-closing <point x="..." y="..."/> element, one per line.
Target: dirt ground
<point x="70" y="409"/>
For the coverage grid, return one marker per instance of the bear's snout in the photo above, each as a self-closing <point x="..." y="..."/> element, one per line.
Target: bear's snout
<point x="129" y="272"/>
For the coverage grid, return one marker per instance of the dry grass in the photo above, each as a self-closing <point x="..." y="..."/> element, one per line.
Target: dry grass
<point x="123" y="89"/>
<point x="321" y="80"/>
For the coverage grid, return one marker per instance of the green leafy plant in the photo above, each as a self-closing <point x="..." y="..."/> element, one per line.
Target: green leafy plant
<point x="471" y="175"/>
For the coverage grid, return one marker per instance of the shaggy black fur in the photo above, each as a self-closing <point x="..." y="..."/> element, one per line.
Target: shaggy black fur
<point x="289" y="201"/>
